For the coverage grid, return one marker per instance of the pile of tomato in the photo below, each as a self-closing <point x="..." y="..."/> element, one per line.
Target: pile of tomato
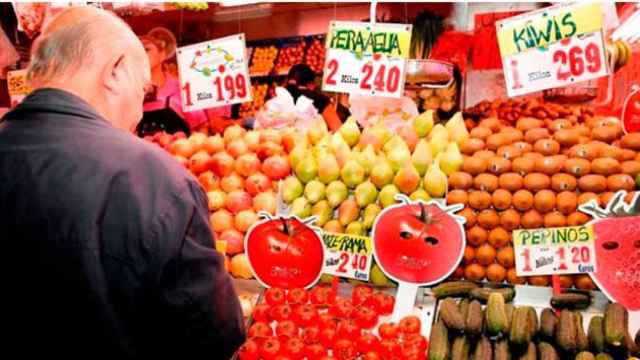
<point x="319" y="325"/>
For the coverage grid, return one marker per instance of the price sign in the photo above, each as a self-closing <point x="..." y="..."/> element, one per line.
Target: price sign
<point x="552" y="47"/>
<point x="214" y="73"/>
<point x="347" y="256"/>
<point x="550" y="251"/>
<point x="366" y="59"/>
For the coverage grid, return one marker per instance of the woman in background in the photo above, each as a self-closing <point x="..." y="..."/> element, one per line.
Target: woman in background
<point x="163" y="104"/>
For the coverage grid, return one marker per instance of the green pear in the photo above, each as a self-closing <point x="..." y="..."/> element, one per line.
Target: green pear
<point x="336" y="193"/>
<point x="435" y="181"/>
<point x="457" y="129"/>
<point x="367" y="159"/>
<point x="399" y="157"/>
<point x="381" y="173"/>
<point x="451" y="160"/>
<point x="355" y="228"/>
<point x="439" y="131"/>
<point x="366" y="193"/>
<point x="380" y="131"/>
<point x="387" y="195"/>
<point x="337" y="142"/>
<point x="352" y="174"/>
<point x="323" y="211"/>
<point x="370" y="214"/>
<point x="300" y="208"/>
<point x="291" y="189"/>
<point x="420" y="194"/>
<point x="350" y="131"/>
<point x="377" y="277"/>
<point x="314" y="191"/>
<point x="407" y="179"/>
<point x="438" y="144"/>
<point x="317" y="130"/>
<point x="348" y="212"/>
<point x="307" y="169"/>
<point x="421" y="157"/>
<point x="328" y="169"/>
<point x="393" y="143"/>
<point x="298" y="153"/>
<point x="423" y="123"/>
<point x="320" y="152"/>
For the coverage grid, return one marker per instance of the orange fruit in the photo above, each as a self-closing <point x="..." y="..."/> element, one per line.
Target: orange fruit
<point x="577" y="218"/>
<point x="480" y="132"/>
<point x="488" y="219"/>
<point x="486" y="182"/>
<point x="560" y="124"/>
<point x="474" y="165"/>
<point x="469" y="255"/>
<point x="485" y="254"/>
<point x="460" y="180"/>
<point x="501" y="199"/>
<point x="584" y="282"/>
<point x="513" y="278"/>
<point x="567" y="137"/>
<point x="604" y="198"/>
<point x="630" y="167"/>
<point x="522" y="200"/>
<point x="474" y="272"/>
<point x="605" y="133"/>
<point x="496" y="273"/>
<point x="629" y="197"/>
<point x="563" y="182"/>
<point x="536" y="182"/>
<point x="510" y="219"/>
<point x="555" y="219"/>
<point x="457" y="197"/>
<point x="495" y="141"/>
<point x="533" y="156"/>
<point x="567" y="202"/>
<point x="484" y="154"/>
<point x="544" y="201"/>
<point x="506" y="257"/>
<point x="523" y="165"/>
<point x="628" y="155"/>
<point x="532" y="220"/>
<point x="577" y="167"/>
<point x="498" y="165"/>
<point x="491" y="123"/>
<point x="528" y="123"/>
<point x="477" y="236"/>
<point x="546" y="147"/>
<point x="470" y="215"/>
<point x="586" y="197"/>
<point x="605" y="166"/>
<point x="533" y="135"/>
<point x="548" y="165"/>
<point x="509" y="152"/>
<point x="620" y="182"/>
<point x="499" y="237"/>
<point x="512" y="134"/>
<point x="471" y="145"/>
<point x="479" y="200"/>
<point x="458" y="273"/>
<point x="524" y="147"/>
<point x="511" y="181"/>
<point x="539" y="280"/>
<point x="611" y="151"/>
<point x="592" y="183"/>
<point x="587" y="151"/>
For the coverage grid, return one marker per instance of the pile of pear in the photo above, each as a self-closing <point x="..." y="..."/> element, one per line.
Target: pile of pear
<point x="345" y="179"/>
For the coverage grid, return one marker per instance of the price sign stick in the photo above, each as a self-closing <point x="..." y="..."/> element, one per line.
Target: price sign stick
<point x="372" y="12"/>
<point x="405" y="300"/>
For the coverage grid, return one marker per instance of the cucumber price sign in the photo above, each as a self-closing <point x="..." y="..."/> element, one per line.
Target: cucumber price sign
<point x="366" y="59"/>
<point x="347" y="256"/>
<point x="214" y="73"/>
<point x="551" y="251"/>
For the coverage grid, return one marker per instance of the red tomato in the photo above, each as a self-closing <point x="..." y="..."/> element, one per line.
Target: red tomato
<point x="371" y="355"/>
<point x="416" y="340"/>
<point x="261" y="313"/>
<point x="389" y="348"/>
<point x="328" y="337"/>
<point x="250" y="350"/>
<point x="281" y="312"/>
<point x="345" y="349"/>
<point x="328" y="357"/>
<point x="341" y="308"/>
<point x="297" y="296"/>
<point x="348" y="329"/>
<point x="367" y="342"/>
<point x="411" y="238"/>
<point x="283" y="357"/>
<point x="311" y="334"/>
<point x="409" y="325"/>
<point x="305" y="315"/>
<point x="260" y="329"/>
<point x="274" y="296"/>
<point x="314" y="351"/>
<point x="294" y="348"/>
<point x="270" y="348"/>
<point x="326" y="320"/>
<point x="322" y="295"/>
<point x="388" y="331"/>
<point x="360" y="294"/>
<point x="288" y="252"/>
<point x="381" y="302"/>
<point x="366" y="318"/>
<point x="286" y="328"/>
<point x="411" y="352"/>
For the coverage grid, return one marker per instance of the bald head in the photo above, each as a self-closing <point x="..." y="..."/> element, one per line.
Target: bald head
<point x="95" y="55"/>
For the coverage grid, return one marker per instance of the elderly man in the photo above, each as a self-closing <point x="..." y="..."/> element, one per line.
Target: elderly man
<point x="125" y="267"/>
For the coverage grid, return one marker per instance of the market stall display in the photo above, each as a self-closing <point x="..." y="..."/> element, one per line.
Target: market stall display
<point x="315" y="55"/>
<point x="263" y="60"/>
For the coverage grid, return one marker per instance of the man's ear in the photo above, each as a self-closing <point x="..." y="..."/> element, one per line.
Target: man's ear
<point x="114" y="73"/>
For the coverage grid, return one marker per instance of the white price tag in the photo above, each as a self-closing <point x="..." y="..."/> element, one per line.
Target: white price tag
<point x="347" y="256"/>
<point x="214" y="73"/>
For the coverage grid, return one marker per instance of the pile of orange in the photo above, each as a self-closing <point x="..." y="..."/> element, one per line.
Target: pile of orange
<point x="535" y="174"/>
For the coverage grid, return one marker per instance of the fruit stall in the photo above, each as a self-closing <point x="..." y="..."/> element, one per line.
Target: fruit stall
<point x="431" y="225"/>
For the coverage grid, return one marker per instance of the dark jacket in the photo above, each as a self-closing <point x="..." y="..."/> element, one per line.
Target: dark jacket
<point x="112" y="240"/>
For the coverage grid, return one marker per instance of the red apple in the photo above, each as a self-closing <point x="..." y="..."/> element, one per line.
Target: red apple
<point x="234" y="239"/>
<point x="257" y="183"/>
<point x="270" y="135"/>
<point x="237" y="201"/>
<point x="182" y="147"/>
<point x="213" y="144"/>
<point x="233" y="132"/>
<point x="209" y="181"/>
<point x="199" y="162"/>
<point x="247" y="164"/>
<point x="221" y="220"/>
<point x="237" y="147"/>
<point x="216" y="199"/>
<point x="268" y="149"/>
<point x="222" y="164"/>
<point x="276" y="167"/>
<point x="232" y="182"/>
<point x="252" y="138"/>
<point x="265" y="201"/>
<point x="244" y="219"/>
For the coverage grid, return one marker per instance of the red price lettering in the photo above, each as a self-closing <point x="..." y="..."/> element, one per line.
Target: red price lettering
<point x="187" y="91"/>
<point x="333" y="69"/>
<point x="580" y="255"/>
<point x="575" y="59"/>
<point x="383" y="81"/>
<point x="367" y="69"/>
<point x="344" y="259"/>
<point x="563" y="264"/>
<point x="233" y="86"/>
<point x="359" y="262"/>
<point x="526" y="254"/>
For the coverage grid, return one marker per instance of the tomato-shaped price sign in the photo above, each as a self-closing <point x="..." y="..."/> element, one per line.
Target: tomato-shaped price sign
<point x="285" y="252"/>
<point x="348" y="256"/>
<point x="552" y="47"/>
<point x="417" y="243"/>
<point x="631" y="111"/>
<point x="366" y="59"/>
<point x="214" y="73"/>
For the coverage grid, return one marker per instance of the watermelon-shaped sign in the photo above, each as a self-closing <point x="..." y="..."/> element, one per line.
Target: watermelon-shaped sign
<point x="617" y="237"/>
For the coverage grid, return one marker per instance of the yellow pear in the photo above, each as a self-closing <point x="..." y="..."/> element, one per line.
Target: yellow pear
<point x="423" y="123"/>
<point x="438" y="144"/>
<point x="393" y="143"/>
<point x="422" y="157"/>
<point x="451" y="159"/>
<point x="350" y="131"/>
<point x="439" y="131"/>
<point x="435" y="181"/>
<point x="317" y="130"/>
<point x="457" y="129"/>
<point x="367" y="159"/>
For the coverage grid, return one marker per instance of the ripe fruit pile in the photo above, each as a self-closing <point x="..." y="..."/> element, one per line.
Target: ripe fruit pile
<point x="263" y="60"/>
<point x="259" y="92"/>
<point x="315" y="56"/>
<point x="503" y="331"/>
<point x="534" y="174"/>
<point x="288" y="57"/>
<point x="239" y="171"/>
<point x="359" y="173"/>
<point x="511" y="110"/>
<point x="318" y="325"/>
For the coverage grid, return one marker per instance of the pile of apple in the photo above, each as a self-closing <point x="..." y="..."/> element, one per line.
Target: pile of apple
<point x="288" y="57"/>
<point x="315" y="56"/>
<point x="239" y="172"/>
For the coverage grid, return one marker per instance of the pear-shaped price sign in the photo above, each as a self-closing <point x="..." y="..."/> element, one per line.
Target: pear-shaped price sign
<point x="285" y="252"/>
<point x="417" y="243"/>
